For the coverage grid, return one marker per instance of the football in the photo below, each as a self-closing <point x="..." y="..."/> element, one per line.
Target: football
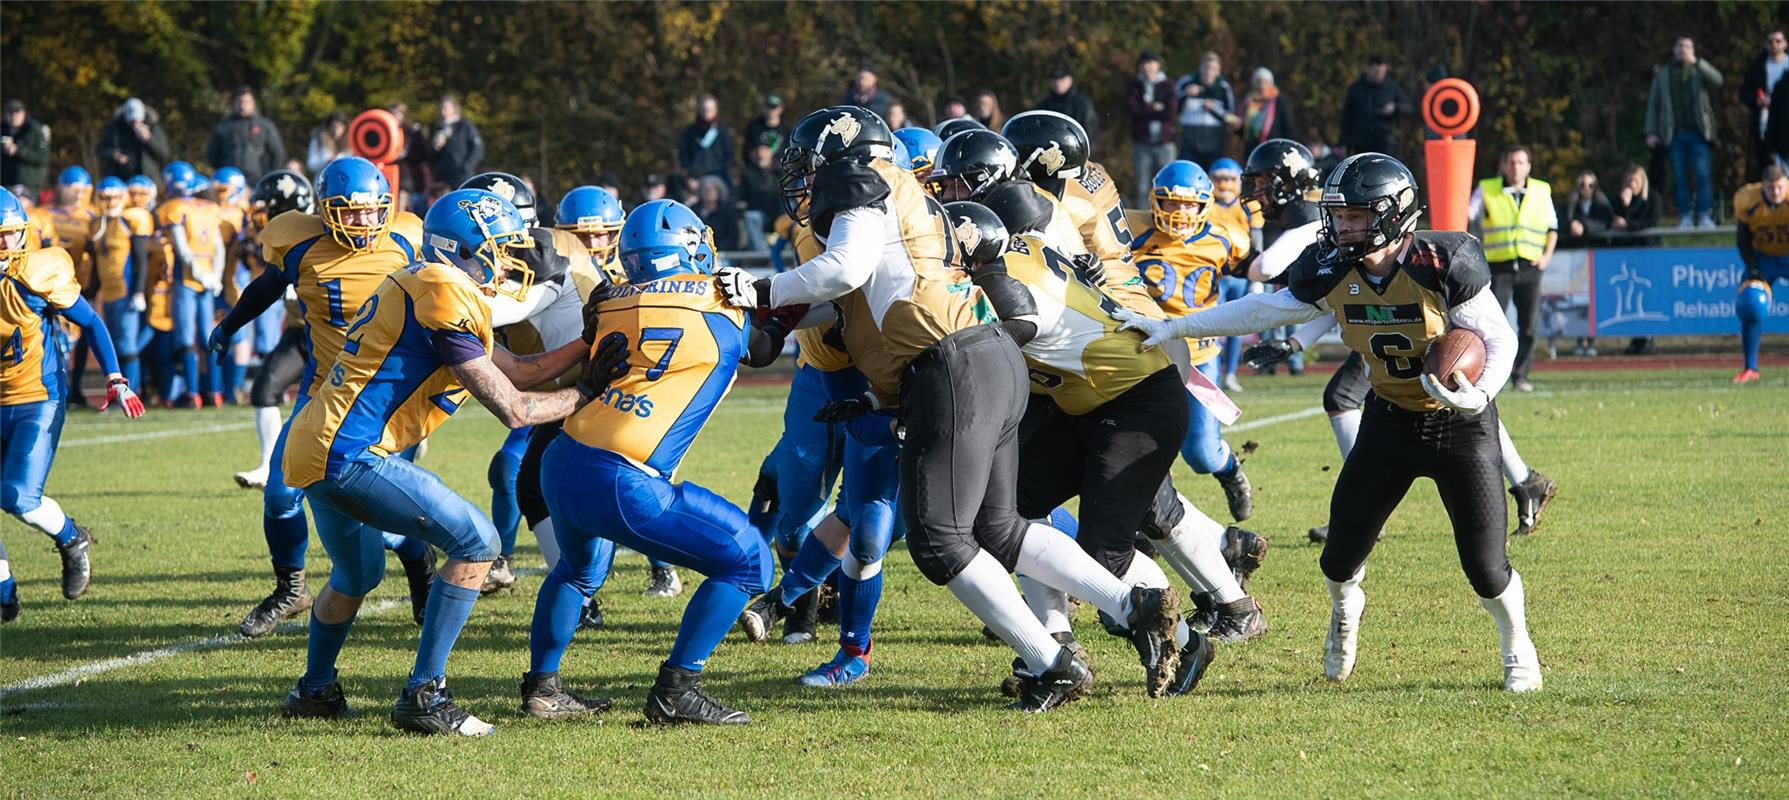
<point x="1458" y="350"/>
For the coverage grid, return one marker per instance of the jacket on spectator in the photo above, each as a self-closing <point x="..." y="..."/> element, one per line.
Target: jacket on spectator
<point x="1596" y="217"/>
<point x="31" y="164"/>
<point x="1640" y="212"/>
<point x="1075" y="105"/>
<point x="1191" y="112"/>
<point x="723" y="219"/>
<point x="878" y="101"/>
<point x="1661" y="120"/>
<point x="761" y="191"/>
<point x="755" y="132"/>
<point x="1751" y="88"/>
<point x="142" y="157"/>
<point x="1776" y="136"/>
<point x="1149" y="125"/>
<point x="251" y="144"/>
<point x="1366" y="128"/>
<point x="706" y="150"/>
<point x="1266" y="117"/>
<point x="460" y="157"/>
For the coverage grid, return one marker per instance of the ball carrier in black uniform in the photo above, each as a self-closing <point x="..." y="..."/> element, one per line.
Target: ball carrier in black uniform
<point x="1392" y="291"/>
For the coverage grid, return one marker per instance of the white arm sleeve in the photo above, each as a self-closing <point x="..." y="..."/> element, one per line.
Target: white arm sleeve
<point x="1284" y="250"/>
<point x="1483" y="316"/>
<point x="506" y="310"/>
<point x="1251" y="314"/>
<point x="820" y="315"/>
<point x="852" y="253"/>
<point x="1308" y="333"/>
<point x="1475" y="208"/>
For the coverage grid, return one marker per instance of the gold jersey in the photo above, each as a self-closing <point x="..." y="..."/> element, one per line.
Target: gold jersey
<point x="1768" y="224"/>
<point x="1183" y="273"/>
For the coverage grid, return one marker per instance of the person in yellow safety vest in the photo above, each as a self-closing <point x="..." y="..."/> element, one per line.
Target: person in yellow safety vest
<point x="1519" y="225"/>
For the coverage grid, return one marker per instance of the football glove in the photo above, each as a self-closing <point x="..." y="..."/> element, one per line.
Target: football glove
<point x="607" y="364"/>
<point x="139" y="303"/>
<point x="1268" y="352"/>
<point x="847" y="410"/>
<point x="1155" y="331"/>
<point x="219" y="343"/>
<point x="118" y="391"/>
<point x="1088" y="266"/>
<point x="592" y="315"/>
<point x="740" y="289"/>
<point x="1468" y="399"/>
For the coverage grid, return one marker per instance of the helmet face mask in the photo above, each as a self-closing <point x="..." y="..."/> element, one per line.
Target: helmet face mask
<point x="594" y="216"/>
<point x="798" y="166"/>
<point x="1180" y="199"/>
<point x="14" y="226"/>
<point x="112" y="200"/>
<point x="1279" y="172"/>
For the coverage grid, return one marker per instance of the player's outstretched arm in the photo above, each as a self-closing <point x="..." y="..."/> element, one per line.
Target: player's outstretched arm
<point x="513" y="407"/>
<point x="259" y="295"/>
<point x="1251" y="314"/>
<point x="117" y="388"/>
<point x="536" y="369"/>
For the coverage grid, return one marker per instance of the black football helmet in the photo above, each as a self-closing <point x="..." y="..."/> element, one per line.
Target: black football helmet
<point x="508" y="187"/>
<point x="280" y="191"/>
<point x="981" y="237"/>
<point x="956" y="125"/>
<point x="1378" y="183"/>
<point x="1050" y="144"/>
<point x="827" y="135"/>
<point x="970" y="163"/>
<point x="1279" y="171"/>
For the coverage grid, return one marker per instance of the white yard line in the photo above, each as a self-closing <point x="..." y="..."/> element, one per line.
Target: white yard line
<point x="122" y="438"/>
<point x="1277" y="418"/>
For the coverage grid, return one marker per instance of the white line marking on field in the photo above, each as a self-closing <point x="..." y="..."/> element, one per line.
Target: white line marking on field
<point x="162" y="434"/>
<point x="85" y="671"/>
<point x="1278" y="418"/>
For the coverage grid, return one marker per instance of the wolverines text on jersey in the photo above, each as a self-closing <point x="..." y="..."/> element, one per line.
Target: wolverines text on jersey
<point x="35" y="286"/>
<point x="1183" y="274"/>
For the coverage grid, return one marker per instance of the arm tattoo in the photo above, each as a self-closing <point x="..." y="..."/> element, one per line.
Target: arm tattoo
<point x="514" y="408"/>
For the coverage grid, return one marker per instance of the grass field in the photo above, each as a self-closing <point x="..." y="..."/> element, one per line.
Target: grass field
<point x="1658" y="596"/>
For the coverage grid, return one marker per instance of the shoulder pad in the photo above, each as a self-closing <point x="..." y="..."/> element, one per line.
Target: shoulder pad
<point x="50" y="273"/>
<point x="142" y="223"/>
<point x="1309" y="278"/>
<point x="840" y="186"/>
<point x="1747" y="198"/>
<point x="404" y="224"/>
<point x="291" y="228"/>
<point x="445" y="299"/>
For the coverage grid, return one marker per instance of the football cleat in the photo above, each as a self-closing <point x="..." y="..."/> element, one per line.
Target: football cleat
<point x="1151" y="624"/>
<point x="1238" y="494"/>
<point x="799" y="627"/>
<point x="1010" y="686"/>
<point x="1532" y="497"/>
<point x="1343" y="642"/>
<point x="591" y="618"/>
<point x="328" y="704"/>
<point x="420" y="574"/>
<point x="758" y="618"/>
<point x="1244" y="551"/>
<point x="1318" y="535"/>
<point x="1238" y="621"/>
<point x="430" y="709"/>
<point x="1064" y="682"/>
<point x="842" y="670"/>
<point x="664" y="582"/>
<point x="677" y="697"/>
<point x="1522" y="669"/>
<point x="1205" y="611"/>
<point x="1747" y="376"/>
<point x="77" y="571"/>
<point x="9" y="611"/>
<point x="1195" y="658"/>
<point x="544" y="697"/>
<point x="499" y="578"/>
<point x="289" y="599"/>
<point x="252" y="479"/>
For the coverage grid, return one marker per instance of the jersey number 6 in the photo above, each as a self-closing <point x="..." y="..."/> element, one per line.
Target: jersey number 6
<point x="1406" y="366"/>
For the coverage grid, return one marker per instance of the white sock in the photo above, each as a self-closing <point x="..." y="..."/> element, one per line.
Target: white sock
<point x="1195" y="551"/>
<point x="5" y="570"/>
<point x="1509" y="612"/>
<point x="1347" y="427"/>
<point x="549" y="543"/>
<point x="1056" y="561"/>
<point x="1513" y="467"/>
<point x="46" y="517"/>
<point x="987" y="591"/>
<point x="1048" y="605"/>
<point x="1146" y="573"/>
<point x="267" y="430"/>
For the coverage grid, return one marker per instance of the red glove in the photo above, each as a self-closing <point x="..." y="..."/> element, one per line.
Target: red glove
<point x="118" y="391"/>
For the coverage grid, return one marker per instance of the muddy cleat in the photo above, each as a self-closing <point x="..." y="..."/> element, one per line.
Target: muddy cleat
<point x="544" y="697"/>
<point x="252" y="479"/>
<point x="1318" y="535"/>
<point x="1195" y="658"/>
<point x="1238" y="621"/>
<point x="842" y="670"/>
<point x="677" y="697"/>
<point x="430" y="709"/>
<point x="1150" y="628"/>
<point x="1244" y="551"/>
<point x="9" y="611"/>
<point x="1532" y="497"/>
<point x="1522" y="669"/>
<point x="77" y="571"/>
<point x="328" y="704"/>
<point x="499" y="578"/>
<point x="591" y="618"/>
<point x="1205" y="611"/>
<point x="289" y="599"/>
<point x="799" y="627"/>
<point x="1064" y="682"/>
<point x="664" y="583"/>
<point x="1238" y="494"/>
<point x="1010" y="686"/>
<point x="420" y="574"/>
<point x="758" y="618"/>
<point x="1747" y="376"/>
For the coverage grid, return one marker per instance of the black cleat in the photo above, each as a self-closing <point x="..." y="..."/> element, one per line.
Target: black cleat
<point x="1238" y="621"/>
<point x="1532" y="497"/>
<point x="9" y="611"/>
<point x="430" y="709"/>
<point x="664" y="583"/>
<point x="1195" y="658"/>
<point x="799" y="627"/>
<point x="1154" y="614"/>
<point x="827" y="603"/>
<point x="1064" y="682"/>
<point x="1243" y="551"/>
<point x="544" y="697"/>
<point x="677" y="697"/>
<point x="1205" y="611"/>
<point x="289" y="599"/>
<point x="1238" y="494"/>
<point x="420" y="574"/>
<point x="499" y="578"/>
<point x="77" y="571"/>
<point x="591" y="618"/>
<point x="330" y="704"/>
<point x="758" y="618"/>
<point x="1318" y="535"/>
<point x="1010" y="687"/>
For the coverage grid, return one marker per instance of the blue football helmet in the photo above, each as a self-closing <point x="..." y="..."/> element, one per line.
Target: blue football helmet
<point x="74" y="186"/>
<point x="201" y="185"/>
<point x="142" y="191"/>
<point x="15" y="226"/>
<point x="476" y="231"/>
<point x="180" y="179"/>
<point x="230" y="185"/>
<point x="1226" y="168"/>
<point x="922" y="149"/>
<point x="350" y="184"/>
<point x="664" y="238"/>
<point x="1185" y="182"/>
<point x="111" y="195"/>
<point x="74" y="176"/>
<point x="589" y="210"/>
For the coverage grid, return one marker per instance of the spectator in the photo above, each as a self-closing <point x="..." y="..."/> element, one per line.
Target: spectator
<point x="1635" y="208"/>
<point x="760" y="192"/>
<point x="987" y="110"/>
<point x="866" y="91"/>
<point x="1520" y="227"/>
<point x="329" y="141"/>
<point x="1680" y="116"/>
<point x="1325" y="157"/>
<point x="457" y="146"/>
<point x="656" y="187"/>
<point x="413" y="163"/>
<point x="1206" y="99"/>
<point x="246" y="140"/>
<point x="1150" y="97"/>
<point x="768" y="128"/>
<point x="1589" y="212"/>
<point x="1266" y="114"/>
<point x="1065" y="99"/>
<point x="24" y="149"/>
<point x="706" y="148"/>
<point x="717" y="209"/>
<point x="1776" y="132"/>
<point x="610" y="182"/>
<point x="1755" y="90"/>
<point x="897" y="116"/>
<point x="132" y="143"/>
<point x="1372" y="111"/>
<point x="955" y="107"/>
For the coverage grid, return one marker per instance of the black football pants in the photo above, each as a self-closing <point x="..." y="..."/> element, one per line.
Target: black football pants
<point x="528" y="496"/>
<point x="279" y="370"/>
<point x="1348" y="386"/>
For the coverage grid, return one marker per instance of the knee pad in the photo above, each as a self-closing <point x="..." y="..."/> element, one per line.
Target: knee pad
<point x="280" y="501"/>
<point x="583" y="579"/>
<point x="1753" y="303"/>
<point x="754" y="576"/>
<point x="871" y="537"/>
<point x="479" y="543"/>
<point x="1165" y="513"/>
<point x="358" y="583"/>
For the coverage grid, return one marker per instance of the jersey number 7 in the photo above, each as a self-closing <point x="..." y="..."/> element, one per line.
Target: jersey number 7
<point x="670" y="336"/>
